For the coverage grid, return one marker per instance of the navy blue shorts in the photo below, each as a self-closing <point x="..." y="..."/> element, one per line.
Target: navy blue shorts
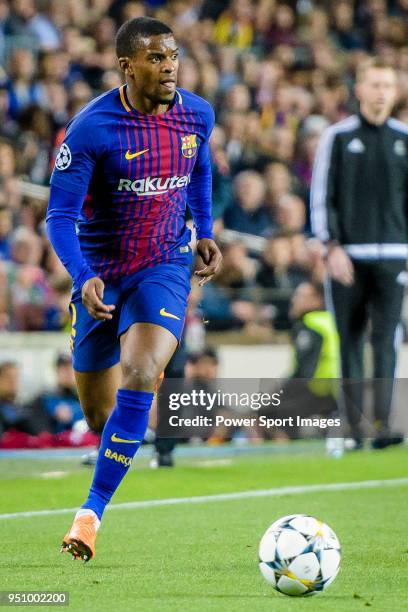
<point x="153" y="295"/>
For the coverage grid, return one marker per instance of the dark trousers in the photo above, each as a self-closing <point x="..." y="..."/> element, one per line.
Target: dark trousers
<point x="375" y="296"/>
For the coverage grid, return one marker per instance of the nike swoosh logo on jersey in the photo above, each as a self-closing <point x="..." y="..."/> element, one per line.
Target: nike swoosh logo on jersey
<point x="130" y="155"/>
<point x="168" y="314"/>
<point x="114" y="438"/>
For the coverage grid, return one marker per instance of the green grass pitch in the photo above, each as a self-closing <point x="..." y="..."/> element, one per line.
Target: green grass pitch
<point x="203" y="556"/>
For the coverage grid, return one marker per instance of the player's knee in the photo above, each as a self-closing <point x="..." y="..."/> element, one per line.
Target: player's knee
<point x="95" y="423"/>
<point x="140" y="377"/>
<point x="96" y="417"/>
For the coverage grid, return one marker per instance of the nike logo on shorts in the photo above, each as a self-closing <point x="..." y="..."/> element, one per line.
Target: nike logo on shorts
<point x="168" y="314"/>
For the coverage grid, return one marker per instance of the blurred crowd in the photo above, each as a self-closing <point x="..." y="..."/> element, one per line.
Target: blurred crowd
<point x="53" y="418"/>
<point x="277" y="73"/>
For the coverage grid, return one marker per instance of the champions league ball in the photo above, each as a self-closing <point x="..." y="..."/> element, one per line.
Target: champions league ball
<point x="299" y="555"/>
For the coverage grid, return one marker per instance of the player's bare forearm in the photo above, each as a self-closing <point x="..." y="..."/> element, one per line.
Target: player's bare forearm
<point x="92" y="299"/>
<point x="212" y="258"/>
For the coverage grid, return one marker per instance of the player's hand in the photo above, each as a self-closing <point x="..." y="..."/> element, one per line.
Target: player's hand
<point x="211" y="256"/>
<point x="92" y="299"/>
<point x="340" y="266"/>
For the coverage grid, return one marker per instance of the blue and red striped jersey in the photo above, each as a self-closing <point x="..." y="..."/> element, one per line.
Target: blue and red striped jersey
<point x="137" y="173"/>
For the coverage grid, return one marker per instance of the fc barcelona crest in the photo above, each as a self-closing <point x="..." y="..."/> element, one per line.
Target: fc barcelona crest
<point x="189" y="145"/>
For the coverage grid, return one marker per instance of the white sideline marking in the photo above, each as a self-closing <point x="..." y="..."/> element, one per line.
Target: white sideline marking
<point x="174" y="501"/>
<point x="47" y="475"/>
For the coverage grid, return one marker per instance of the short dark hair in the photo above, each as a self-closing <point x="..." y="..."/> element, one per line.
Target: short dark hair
<point x="210" y="353"/>
<point x="63" y="359"/>
<point x="133" y="29"/>
<point x="206" y="353"/>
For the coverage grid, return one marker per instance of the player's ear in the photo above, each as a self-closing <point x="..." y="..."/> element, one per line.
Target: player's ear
<point x="357" y="90"/>
<point x="124" y="64"/>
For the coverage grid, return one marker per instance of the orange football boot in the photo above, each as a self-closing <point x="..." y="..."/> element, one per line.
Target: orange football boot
<point x="80" y="539"/>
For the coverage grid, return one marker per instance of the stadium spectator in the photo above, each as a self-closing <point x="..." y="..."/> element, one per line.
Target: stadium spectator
<point x="13" y="415"/>
<point x="278" y="184"/>
<point x="7" y="161"/>
<point x="290" y="214"/>
<point x="342" y="30"/>
<point x="28" y="296"/>
<point x="25" y="247"/>
<point x="37" y="125"/>
<point x="23" y="88"/>
<point x="8" y="127"/>
<point x="203" y="365"/>
<point x="5" y="232"/>
<point x="27" y="22"/>
<point x="58" y="409"/>
<point x="56" y="316"/>
<point x="282" y="29"/>
<point x="234" y="26"/>
<point x="10" y="410"/>
<point x="279" y="275"/>
<point x="312" y="386"/>
<point x="4" y="298"/>
<point x="200" y="372"/>
<point x="308" y="139"/>
<point x="228" y="303"/>
<point x="248" y="213"/>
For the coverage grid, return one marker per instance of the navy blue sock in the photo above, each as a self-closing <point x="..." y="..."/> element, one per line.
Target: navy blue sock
<point x="122" y="435"/>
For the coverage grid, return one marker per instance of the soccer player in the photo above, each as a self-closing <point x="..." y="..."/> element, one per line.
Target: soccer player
<point x="131" y="161"/>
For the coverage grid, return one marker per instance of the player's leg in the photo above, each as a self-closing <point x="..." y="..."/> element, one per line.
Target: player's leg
<point x="145" y="351"/>
<point x="97" y="394"/>
<point x="96" y="354"/>
<point x="386" y="304"/>
<point x="151" y="322"/>
<point x="95" y="359"/>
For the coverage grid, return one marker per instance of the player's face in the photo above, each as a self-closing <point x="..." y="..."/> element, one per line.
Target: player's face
<point x="154" y="68"/>
<point x="378" y="90"/>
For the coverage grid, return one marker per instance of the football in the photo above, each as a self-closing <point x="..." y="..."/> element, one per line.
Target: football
<point x="299" y="555"/>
